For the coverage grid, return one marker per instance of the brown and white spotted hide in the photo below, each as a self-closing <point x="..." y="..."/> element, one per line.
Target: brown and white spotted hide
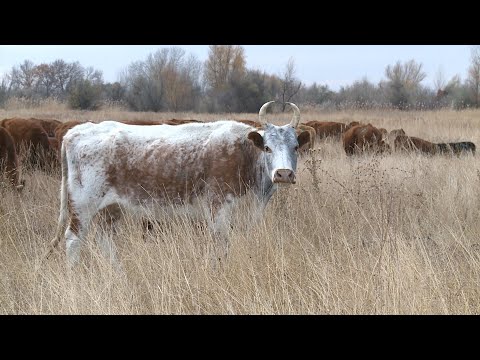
<point x="198" y="167"/>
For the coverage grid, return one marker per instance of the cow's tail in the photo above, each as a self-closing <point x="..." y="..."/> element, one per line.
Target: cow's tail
<point x="63" y="217"/>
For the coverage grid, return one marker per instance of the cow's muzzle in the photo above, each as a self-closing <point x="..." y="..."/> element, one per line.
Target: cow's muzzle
<point x="284" y="176"/>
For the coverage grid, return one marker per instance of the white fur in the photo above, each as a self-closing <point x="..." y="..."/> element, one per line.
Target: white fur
<point x="89" y="147"/>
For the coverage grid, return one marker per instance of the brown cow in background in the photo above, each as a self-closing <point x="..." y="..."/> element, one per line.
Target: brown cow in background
<point x="62" y="129"/>
<point x="9" y="160"/>
<point x="325" y="129"/>
<point x="311" y="144"/>
<point x="31" y="141"/>
<point x="392" y="135"/>
<point x="158" y="122"/>
<point x="181" y="121"/>
<point x="253" y="123"/>
<point x="411" y="143"/>
<point x="364" y="137"/>
<point x="49" y="125"/>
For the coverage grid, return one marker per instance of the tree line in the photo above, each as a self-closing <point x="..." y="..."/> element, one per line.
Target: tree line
<point x="172" y="80"/>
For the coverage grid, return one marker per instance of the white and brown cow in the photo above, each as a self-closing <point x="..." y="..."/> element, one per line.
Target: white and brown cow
<point x="204" y="166"/>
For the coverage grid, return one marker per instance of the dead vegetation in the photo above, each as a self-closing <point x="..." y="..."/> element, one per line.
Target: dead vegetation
<point x="371" y="234"/>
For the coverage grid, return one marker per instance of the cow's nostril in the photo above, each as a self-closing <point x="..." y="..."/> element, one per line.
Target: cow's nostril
<point x="284" y="176"/>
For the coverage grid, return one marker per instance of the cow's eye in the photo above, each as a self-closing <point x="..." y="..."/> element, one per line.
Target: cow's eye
<point x="267" y="149"/>
<point x="296" y="148"/>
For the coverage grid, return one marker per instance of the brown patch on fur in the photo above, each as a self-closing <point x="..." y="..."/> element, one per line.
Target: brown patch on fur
<point x="74" y="221"/>
<point x="170" y="173"/>
<point x="363" y="137"/>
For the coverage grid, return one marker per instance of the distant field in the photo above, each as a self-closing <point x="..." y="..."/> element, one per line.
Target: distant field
<point x="389" y="234"/>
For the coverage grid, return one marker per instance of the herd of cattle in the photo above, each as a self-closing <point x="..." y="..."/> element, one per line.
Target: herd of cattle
<point x="114" y="165"/>
<point x="38" y="141"/>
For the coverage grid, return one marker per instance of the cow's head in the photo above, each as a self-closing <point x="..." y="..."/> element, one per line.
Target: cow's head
<point x="280" y="145"/>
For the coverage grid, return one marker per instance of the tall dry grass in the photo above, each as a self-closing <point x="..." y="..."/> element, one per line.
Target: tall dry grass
<point x="390" y="234"/>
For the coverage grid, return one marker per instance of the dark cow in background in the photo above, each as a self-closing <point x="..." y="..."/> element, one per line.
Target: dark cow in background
<point x="31" y="141"/>
<point x="8" y="159"/>
<point x="361" y="138"/>
<point x="456" y="147"/>
<point x="412" y="143"/>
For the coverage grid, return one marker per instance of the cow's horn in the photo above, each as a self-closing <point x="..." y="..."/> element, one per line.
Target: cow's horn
<point x="263" y="112"/>
<point x="296" y="114"/>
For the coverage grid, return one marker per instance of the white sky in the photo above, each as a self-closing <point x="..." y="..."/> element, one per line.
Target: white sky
<point x="333" y="65"/>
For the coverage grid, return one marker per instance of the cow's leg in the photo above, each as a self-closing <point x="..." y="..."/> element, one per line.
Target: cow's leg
<point x="109" y="217"/>
<point x="74" y="235"/>
<point x="220" y="223"/>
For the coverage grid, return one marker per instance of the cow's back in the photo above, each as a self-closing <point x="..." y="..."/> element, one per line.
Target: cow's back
<point x="162" y="162"/>
<point x="49" y="125"/>
<point x="363" y="136"/>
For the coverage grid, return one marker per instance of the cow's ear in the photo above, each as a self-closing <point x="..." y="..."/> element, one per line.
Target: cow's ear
<point x="256" y="138"/>
<point x="303" y="139"/>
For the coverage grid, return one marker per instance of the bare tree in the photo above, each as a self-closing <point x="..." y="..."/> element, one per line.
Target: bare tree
<point x="167" y="80"/>
<point x="94" y="76"/>
<point x="24" y="77"/>
<point x="403" y="81"/>
<point x="224" y="63"/>
<point x="439" y="81"/>
<point x="46" y="79"/>
<point x="409" y="74"/>
<point x="448" y="92"/>
<point x="5" y="87"/>
<point x="290" y="84"/>
<point x="66" y="74"/>
<point x="473" y="80"/>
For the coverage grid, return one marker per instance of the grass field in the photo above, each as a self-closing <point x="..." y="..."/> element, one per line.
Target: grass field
<point x="390" y="234"/>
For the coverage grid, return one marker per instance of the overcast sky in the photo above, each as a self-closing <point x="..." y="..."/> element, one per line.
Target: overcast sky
<point x="332" y="65"/>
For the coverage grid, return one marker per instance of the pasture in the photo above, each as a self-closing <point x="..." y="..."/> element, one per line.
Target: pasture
<point x="370" y="234"/>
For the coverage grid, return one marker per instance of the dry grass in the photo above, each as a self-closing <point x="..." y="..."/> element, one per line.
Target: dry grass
<point x="393" y="234"/>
